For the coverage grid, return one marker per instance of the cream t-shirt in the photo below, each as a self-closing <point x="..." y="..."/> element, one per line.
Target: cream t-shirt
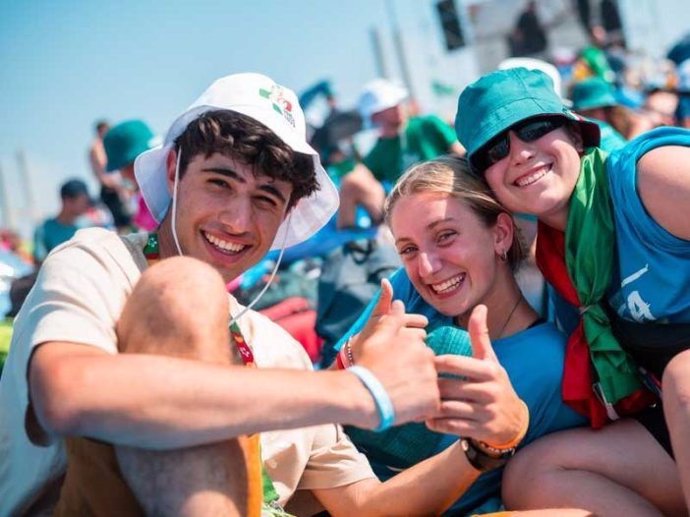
<point x="78" y="297"/>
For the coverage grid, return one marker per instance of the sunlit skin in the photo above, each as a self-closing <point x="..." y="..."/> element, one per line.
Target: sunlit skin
<point x="538" y="177"/>
<point x="226" y="216"/>
<point x="390" y="120"/>
<point x="451" y="256"/>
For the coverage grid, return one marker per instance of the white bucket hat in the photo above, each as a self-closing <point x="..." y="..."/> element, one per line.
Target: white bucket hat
<point x="274" y="106"/>
<point x="379" y="95"/>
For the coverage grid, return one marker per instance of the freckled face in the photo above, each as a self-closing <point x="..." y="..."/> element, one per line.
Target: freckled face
<point x="449" y="254"/>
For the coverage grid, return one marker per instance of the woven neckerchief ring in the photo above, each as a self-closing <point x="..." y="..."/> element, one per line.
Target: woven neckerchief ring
<point x="270" y="506"/>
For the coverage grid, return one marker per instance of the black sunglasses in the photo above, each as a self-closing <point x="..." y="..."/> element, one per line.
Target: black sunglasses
<point x="498" y="147"/>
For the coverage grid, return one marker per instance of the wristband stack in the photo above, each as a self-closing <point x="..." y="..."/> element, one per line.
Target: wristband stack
<point x="384" y="406"/>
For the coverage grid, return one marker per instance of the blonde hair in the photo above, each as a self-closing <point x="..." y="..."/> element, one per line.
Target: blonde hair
<point x="451" y="175"/>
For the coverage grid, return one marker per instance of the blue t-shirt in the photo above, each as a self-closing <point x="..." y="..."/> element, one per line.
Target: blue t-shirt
<point x="652" y="280"/>
<point x="533" y="359"/>
<point x="50" y="235"/>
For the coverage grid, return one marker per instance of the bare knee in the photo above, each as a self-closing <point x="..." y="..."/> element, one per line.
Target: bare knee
<point x="527" y="471"/>
<point x="179" y="307"/>
<point x="362" y="187"/>
<point x="676" y="382"/>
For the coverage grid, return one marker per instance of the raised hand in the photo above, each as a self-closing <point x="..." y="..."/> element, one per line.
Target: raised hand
<point x="392" y="347"/>
<point x="483" y="405"/>
<point x="382" y="308"/>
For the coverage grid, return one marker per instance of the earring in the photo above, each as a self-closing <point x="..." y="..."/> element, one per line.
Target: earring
<point x="503" y="256"/>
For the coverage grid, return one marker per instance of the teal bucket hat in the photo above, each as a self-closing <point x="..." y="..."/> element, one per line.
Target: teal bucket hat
<point x="125" y="141"/>
<point x="592" y="93"/>
<point x="501" y="99"/>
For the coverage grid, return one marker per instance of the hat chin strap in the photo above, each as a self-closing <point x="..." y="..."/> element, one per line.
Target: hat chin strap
<point x="273" y="273"/>
<point x="174" y="203"/>
<point x="179" y="248"/>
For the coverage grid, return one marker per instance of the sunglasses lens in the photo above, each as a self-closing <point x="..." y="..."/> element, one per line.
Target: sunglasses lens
<point x="499" y="147"/>
<point x="538" y="128"/>
<point x="493" y="151"/>
<point x="498" y="151"/>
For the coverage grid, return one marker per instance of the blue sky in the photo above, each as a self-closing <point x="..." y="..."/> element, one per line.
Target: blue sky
<point x="66" y="63"/>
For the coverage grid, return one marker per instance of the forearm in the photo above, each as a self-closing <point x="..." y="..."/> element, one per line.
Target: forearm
<point x="107" y="179"/>
<point x="180" y="403"/>
<point x="428" y="488"/>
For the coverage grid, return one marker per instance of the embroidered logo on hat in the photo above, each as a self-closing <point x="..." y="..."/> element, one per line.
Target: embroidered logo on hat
<point x="280" y="103"/>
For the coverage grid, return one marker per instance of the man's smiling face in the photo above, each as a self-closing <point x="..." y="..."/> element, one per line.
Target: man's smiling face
<point x="227" y="216"/>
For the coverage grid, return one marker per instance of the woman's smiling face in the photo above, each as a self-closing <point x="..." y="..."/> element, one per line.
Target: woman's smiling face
<point x="449" y="253"/>
<point x="538" y="177"/>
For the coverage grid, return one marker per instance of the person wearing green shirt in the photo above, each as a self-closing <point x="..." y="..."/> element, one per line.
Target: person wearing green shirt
<point x="403" y="140"/>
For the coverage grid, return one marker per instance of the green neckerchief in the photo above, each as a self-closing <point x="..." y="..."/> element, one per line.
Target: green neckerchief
<point x="590" y="222"/>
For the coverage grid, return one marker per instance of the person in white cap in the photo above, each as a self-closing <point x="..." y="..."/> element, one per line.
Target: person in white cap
<point x="125" y="392"/>
<point x="403" y="140"/>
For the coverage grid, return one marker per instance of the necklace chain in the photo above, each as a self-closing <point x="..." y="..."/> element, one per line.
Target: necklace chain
<point x="510" y="315"/>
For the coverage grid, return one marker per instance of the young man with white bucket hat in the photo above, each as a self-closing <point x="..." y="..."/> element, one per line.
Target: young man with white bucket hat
<point x="124" y="391"/>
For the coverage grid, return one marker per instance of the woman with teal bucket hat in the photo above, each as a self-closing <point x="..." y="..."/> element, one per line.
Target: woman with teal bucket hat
<point x="614" y="242"/>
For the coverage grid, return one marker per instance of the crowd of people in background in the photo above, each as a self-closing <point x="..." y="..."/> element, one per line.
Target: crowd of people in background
<point x="529" y="376"/>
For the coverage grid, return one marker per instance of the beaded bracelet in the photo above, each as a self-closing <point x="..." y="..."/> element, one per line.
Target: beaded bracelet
<point x="345" y="358"/>
<point x="384" y="405"/>
<point x="348" y="351"/>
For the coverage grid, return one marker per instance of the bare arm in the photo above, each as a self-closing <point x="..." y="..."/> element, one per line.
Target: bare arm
<point x="98" y="161"/>
<point x="664" y="187"/>
<point x="428" y="488"/>
<point x="457" y="148"/>
<point x="160" y="402"/>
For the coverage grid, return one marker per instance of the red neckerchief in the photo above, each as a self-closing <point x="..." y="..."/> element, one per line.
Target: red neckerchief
<point x="578" y="374"/>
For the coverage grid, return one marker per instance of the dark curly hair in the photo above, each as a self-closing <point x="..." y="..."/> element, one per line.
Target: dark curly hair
<point x="243" y="138"/>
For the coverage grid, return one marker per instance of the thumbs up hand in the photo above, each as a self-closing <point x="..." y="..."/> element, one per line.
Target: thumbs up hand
<point x="392" y="347"/>
<point x="385" y="308"/>
<point x="477" y="398"/>
<point x="479" y="335"/>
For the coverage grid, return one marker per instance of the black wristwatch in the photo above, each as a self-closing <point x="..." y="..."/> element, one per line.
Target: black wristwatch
<point x="482" y="459"/>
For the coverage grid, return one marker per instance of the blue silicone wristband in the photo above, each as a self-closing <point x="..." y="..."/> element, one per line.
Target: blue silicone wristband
<point x="384" y="406"/>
